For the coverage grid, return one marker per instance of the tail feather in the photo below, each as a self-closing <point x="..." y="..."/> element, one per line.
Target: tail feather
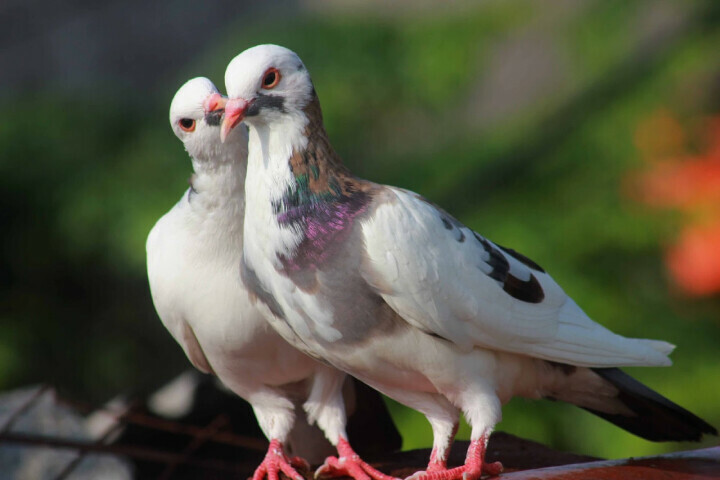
<point x="660" y="346"/>
<point x="656" y="418"/>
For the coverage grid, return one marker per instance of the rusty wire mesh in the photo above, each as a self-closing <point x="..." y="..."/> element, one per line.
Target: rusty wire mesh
<point x="166" y="462"/>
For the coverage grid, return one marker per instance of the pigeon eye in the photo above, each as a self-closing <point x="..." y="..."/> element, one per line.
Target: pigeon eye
<point x="271" y="78"/>
<point x="187" y="124"/>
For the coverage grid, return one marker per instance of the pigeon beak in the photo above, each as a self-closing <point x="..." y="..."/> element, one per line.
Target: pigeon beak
<point x="214" y="102"/>
<point x="234" y="113"/>
<point x="214" y="108"/>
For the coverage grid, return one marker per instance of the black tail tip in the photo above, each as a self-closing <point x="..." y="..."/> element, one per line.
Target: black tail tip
<point x="656" y="418"/>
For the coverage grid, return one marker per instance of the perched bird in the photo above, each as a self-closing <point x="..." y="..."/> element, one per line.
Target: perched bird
<point x="382" y="284"/>
<point x="193" y="258"/>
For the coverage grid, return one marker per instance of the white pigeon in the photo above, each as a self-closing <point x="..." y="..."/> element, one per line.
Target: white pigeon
<point x="193" y="258"/>
<point x="383" y="284"/>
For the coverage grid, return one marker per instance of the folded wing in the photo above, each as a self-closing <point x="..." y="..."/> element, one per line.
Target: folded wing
<point x="449" y="281"/>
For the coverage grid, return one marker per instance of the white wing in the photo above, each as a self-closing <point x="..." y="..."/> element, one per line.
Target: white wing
<point x="447" y="280"/>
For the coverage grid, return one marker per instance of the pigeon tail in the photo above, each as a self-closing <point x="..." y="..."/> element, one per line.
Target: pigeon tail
<point x="660" y="346"/>
<point x="655" y="417"/>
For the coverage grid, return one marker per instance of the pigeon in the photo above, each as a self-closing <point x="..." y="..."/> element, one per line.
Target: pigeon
<point x="193" y="257"/>
<point x="383" y="284"/>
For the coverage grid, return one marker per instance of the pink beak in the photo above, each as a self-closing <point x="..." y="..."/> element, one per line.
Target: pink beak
<point x="214" y="102"/>
<point x="234" y="113"/>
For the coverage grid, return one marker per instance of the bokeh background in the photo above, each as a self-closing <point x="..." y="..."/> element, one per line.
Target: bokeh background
<point x="583" y="133"/>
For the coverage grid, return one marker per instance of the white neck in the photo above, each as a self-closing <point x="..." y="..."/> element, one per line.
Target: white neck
<point x="270" y="148"/>
<point x="218" y="188"/>
<point x="268" y="177"/>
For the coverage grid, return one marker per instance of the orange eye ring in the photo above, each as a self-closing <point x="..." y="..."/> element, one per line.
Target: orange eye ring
<point x="271" y="78"/>
<point x="187" y="124"/>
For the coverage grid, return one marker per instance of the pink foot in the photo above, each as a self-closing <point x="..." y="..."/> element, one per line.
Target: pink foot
<point x="473" y="469"/>
<point x="349" y="464"/>
<point x="276" y="461"/>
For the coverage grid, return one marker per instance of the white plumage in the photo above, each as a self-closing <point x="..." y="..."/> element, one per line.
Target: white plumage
<point x="390" y="288"/>
<point x="442" y="285"/>
<point x="193" y="257"/>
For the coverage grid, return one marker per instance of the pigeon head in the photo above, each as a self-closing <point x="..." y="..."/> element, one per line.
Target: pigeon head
<point x="196" y="114"/>
<point x="265" y="84"/>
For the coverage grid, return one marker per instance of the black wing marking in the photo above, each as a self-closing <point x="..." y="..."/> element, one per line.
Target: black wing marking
<point x="522" y="258"/>
<point x="529" y="290"/>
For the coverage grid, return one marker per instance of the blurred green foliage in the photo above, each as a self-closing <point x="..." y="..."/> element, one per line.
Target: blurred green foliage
<point x="83" y="182"/>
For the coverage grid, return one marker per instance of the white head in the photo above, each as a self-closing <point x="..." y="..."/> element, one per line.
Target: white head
<point x="200" y="131"/>
<point x="265" y="83"/>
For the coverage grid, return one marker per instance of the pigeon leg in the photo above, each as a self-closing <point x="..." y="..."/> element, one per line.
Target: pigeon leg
<point x="276" y="461"/>
<point x="349" y="464"/>
<point x="472" y="470"/>
<point x="441" y="451"/>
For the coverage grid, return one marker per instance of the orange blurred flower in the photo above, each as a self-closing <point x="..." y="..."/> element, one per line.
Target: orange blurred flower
<point x="685" y="185"/>
<point x="694" y="261"/>
<point x="689" y="184"/>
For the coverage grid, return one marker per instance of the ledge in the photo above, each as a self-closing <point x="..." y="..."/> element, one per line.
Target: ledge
<point x="525" y="460"/>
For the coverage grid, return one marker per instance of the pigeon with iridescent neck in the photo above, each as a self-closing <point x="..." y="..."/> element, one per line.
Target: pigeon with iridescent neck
<point x="193" y="259"/>
<point x="385" y="285"/>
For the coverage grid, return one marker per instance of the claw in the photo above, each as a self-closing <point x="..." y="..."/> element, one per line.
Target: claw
<point x="492" y="469"/>
<point x="275" y="461"/>
<point x="473" y="469"/>
<point x="349" y="464"/>
<point x="466" y="472"/>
